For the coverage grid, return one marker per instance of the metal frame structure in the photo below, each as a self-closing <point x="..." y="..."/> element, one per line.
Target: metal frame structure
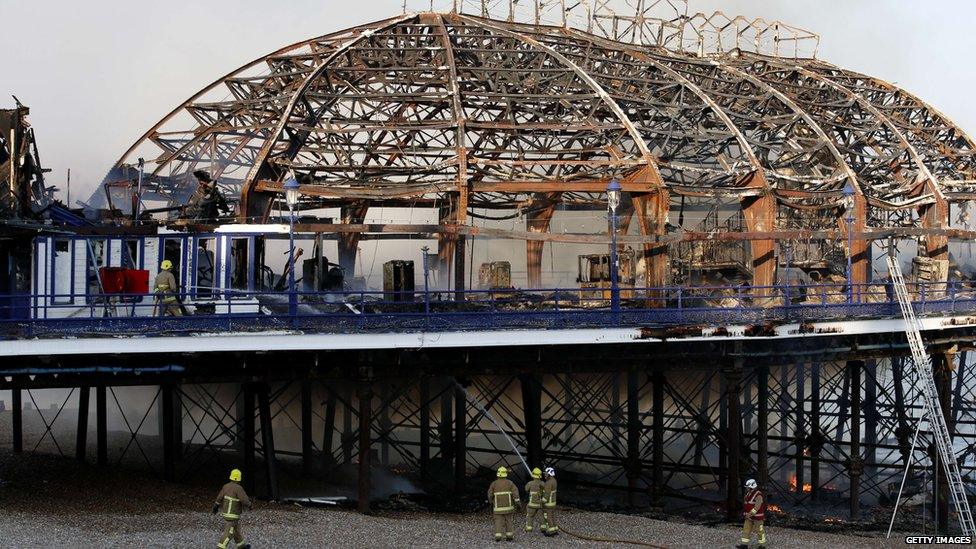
<point x="474" y="115"/>
<point x="468" y="115"/>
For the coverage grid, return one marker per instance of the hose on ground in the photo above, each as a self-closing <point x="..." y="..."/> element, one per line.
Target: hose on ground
<point x="608" y="540"/>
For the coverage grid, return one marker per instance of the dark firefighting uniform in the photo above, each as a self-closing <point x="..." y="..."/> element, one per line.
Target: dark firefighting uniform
<point x="231" y="501"/>
<point x="504" y="498"/>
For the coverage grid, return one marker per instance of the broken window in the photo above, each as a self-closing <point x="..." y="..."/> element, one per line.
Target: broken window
<point x="205" y="267"/>
<point x="63" y="275"/>
<point x="240" y="263"/>
<point x="130" y="254"/>
<point x="97" y="249"/>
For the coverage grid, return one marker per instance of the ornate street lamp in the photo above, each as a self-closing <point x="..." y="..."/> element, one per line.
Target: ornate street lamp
<point x="849" y="206"/>
<point x="613" y="202"/>
<point x="291" y="187"/>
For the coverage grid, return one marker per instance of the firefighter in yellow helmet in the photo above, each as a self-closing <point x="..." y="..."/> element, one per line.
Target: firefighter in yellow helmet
<point x="166" y="290"/>
<point x="534" y="505"/>
<point x="503" y="496"/>
<point x="231" y="501"/>
<point x="549" y="526"/>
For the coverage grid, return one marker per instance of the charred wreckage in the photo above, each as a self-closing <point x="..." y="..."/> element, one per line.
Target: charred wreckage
<point x="704" y="207"/>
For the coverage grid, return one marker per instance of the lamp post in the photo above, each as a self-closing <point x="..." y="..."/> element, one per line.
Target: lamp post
<point x="849" y="206"/>
<point x="426" y="250"/>
<point x="613" y="202"/>
<point x="291" y="187"/>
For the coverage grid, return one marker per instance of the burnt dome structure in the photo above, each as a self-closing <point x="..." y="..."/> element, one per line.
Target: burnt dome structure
<point x="466" y="114"/>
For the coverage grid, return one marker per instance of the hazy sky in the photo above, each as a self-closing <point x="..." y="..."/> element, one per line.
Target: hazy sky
<point x="98" y="73"/>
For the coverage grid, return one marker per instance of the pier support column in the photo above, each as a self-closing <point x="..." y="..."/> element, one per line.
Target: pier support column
<point x="855" y="464"/>
<point x="247" y="410"/>
<point x="532" y="408"/>
<point x="329" y="428"/>
<point x="657" y="435"/>
<point x="733" y="376"/>
<point x="762" y="426"/>
<point x="871" y="418"/>
<point x="444" y="427"/>
<point x="633" y="436"/>
<point x="816" y="434"/>
<point x="17" y="420"/>
<point x="365" y="394"/>
<point x="267" y="441"/>
<point x="424" y="396"/>
<point x="348" y="438"/>
<point x="460" y="435"/>
<point x="167" y="426"/>
<point x="307" y="428"/>
<point x="384" y="420"/>
<point x="800" y="434"/>
<point x="101" y="427"/>
<point x="81" y="440"/>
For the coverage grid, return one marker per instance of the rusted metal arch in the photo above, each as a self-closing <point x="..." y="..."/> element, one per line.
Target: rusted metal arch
<point x="656" y="272"/>
<point x="921" y="104"/>
<point x="759" y="209"/>
<point x="782" y="67"/>
<point x="256" y="169"/>
<point x="935" y="215"/>
<point x="646" y="156"/>
<point x="222" y="80"/>
<point x="698" y="92"/>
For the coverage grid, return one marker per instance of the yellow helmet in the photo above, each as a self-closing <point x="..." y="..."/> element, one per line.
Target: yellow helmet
<point x="166" y="265"/>
<point x="502" y="472"/>
<point x="235" y="475"/>
<point x="536" y="473"/>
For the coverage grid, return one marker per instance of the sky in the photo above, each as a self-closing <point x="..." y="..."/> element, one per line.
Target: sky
<point x="98" y="73"/>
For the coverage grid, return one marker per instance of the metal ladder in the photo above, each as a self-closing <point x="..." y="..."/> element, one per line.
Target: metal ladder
<point x="932" y="407"/>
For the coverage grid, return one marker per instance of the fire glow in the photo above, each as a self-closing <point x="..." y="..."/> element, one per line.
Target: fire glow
<point x="807" y="487"/>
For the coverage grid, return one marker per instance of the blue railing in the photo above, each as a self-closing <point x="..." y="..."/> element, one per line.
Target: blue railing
<point x="376" y="311"/>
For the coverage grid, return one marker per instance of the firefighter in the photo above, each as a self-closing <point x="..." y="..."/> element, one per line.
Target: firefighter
<point x="534" y="505"/>
<point x="754" y="513"/>
<point x="166" y="290"/>
<point x="503" y="496"/>
<point x="549" y="526"/>
<point x="231" y="501"/>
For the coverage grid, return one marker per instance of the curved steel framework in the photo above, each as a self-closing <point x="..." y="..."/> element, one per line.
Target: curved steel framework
<point x="460" y="112"/>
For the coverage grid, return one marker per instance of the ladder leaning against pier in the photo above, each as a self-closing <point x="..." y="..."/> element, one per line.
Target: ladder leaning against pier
<point x="937" y="421"/>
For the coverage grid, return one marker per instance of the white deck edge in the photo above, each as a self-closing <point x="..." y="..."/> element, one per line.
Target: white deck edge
<point x="296" y="341"/>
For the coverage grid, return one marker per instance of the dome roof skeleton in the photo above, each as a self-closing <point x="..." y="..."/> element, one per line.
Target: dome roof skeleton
<point x="394" y="109"/>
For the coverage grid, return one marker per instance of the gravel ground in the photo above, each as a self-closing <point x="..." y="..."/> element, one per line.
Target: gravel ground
<point x="283" y="526"/>
<point x="52" y="502"/>
<point x="48" y="501"/>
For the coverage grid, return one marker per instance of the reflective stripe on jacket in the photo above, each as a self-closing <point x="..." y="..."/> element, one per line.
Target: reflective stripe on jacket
<point x="503" y="495"/>
<point x="549" y="492"/>
<point x="232" y="500"/>
<point x="534" y="489"/>
<point x="755" y="502"/>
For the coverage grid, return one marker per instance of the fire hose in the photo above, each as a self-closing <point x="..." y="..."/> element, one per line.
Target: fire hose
<point x="608" y="540"/>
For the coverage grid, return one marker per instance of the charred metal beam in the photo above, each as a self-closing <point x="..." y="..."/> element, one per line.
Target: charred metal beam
<point x="364" y="485"/>
<point x="81" y="446"/>
<point x="101" y="427"/>
<point x="424" y="396"/>
<point x="460" y="435"/>
<point x="248" y="433"/>
<point x="306" y="427"/>
<point x="855" y="466"/>
<point x="634" y="425"/>
<point x="732" y="373"/>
